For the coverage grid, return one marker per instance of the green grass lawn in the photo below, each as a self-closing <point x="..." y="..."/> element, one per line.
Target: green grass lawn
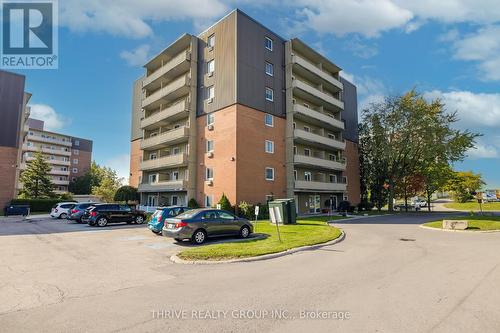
<point x="308" y="231"/>
<point x="473" y="206"/>
<point x="476" y="223"/>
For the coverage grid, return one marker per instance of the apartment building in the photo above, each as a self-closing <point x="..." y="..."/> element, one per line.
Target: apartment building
<point x="69" y="157"/>
<point x="240" y="110"/>
<point x="13" y="115"/>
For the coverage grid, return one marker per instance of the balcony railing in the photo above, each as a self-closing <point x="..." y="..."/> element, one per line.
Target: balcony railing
<point x="315" y="70"/>
<point x="164" y="162"/>
<point x="167" y="94"/>
<point x="319" y="162"/>
<point x="172" y="185"/>
<point x="59" y="172"/>
<point x="320" y="186"/>
<point x="314" y="115"/>
<point x="332" y="101"/>
<point x="50" y="161"/>
<point x="46" y="150"/>
<point x="319" y="139"/>
<point x="60" y="182"/>
<point x="167" y="138"/>
<point x="38" y="138"/>
<point x="175" y="111"/>
<point x="178" y="60"/>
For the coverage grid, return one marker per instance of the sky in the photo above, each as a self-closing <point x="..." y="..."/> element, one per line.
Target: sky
<point x="445" y="49"/>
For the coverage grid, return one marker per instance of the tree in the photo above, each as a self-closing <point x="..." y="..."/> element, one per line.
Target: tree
<point x="126" y="193"/>
<point x="463" y="184"/>
<point x="36" y="180"/>
<point x="93" y="178"/>
<point x="224" y="203"/>
<point x="404" y="135"/>
<point x="193" y="204"/>
<point x="108" y="183"/>
<point x="436" y="176"/>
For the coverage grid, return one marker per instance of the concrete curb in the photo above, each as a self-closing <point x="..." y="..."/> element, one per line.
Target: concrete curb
<point x="178" y="260"/>
<point x="463" y="231"/>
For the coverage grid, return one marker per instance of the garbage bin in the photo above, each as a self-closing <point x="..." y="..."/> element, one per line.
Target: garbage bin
<point x="23" y="210"/>
<point x="287" y="209"/>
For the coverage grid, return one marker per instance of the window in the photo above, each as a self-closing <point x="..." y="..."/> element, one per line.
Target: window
<point x="331" y="136"/>
<point x="210" y="146"/>
<point x="209" y="174"/>
<point x="211" y="66"/>
<point x="269" y="69"/>
<point x="332" y="157"/>
<point x="174" y="201"/>
<point x="307" y="176"/>
<point x="269" y="44"/>
<point x="294" y="125"/>
<point x="208" y="201"/>
<point x="152" y="178"/>
<point x="269" y="173"/>
<point x="75" y="151"/>
<point x="307" y="129"/>
<point x="175" y="175"/>
<point x="332" y="178"/>
<point x="295" y="174"/>
<point x="152" y="156"/>
<point x="75" y="161"/>
<point x="210" y="93"/>
<point x="225" y="216"/>
<point x="176" y="151"/>
<point x="211" y="41"/>
<point x="269" y="147"/>
<point x="210" y="119"/>
<point x="75" y="170"/>
<point x="77" y="142"/>
<point x="269" y="120"/>
<point x="64" y="169"/>
<point x="307" y="152"/>
<point x="73" y="179"/>
<point x="269" y="94"/>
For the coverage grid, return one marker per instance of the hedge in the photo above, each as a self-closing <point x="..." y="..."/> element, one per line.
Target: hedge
<point x="37" y="205"/>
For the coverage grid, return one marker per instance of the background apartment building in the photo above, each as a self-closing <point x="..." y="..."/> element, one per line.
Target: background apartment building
<point x="241" y="111"/>
<point x="68" y="156"/>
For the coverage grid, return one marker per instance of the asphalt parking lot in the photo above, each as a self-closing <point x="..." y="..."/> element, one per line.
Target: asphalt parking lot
<point x="388" y="274"/>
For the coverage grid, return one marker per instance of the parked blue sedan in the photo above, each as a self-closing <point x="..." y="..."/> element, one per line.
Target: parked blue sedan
<point x="162" y="213"/>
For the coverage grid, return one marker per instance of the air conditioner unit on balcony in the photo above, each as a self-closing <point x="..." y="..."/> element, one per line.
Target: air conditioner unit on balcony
<point x="209" y="182"/>
<point x="210" y="127"/>
<point x="210" y="154"/>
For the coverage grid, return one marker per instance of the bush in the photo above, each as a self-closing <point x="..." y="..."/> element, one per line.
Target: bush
<point x="365" y="205"/>
<point x="344" y="206"/>
<point x="224" y="203"/>
<point x="193" y="204"/>
<point x="245" y="210"/>
<point x="37" y="205"/>
<point x="351" y="209"/>
<point x="126" y="193"/>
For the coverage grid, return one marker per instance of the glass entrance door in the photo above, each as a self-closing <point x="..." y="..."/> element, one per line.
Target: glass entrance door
<point x="314" y="204"/>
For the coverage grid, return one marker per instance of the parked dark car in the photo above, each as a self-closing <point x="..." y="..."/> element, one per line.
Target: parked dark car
<point x="198" y="224"/>
<point x="162" y="213"/>
<point x="76" y="213"/>
<point x="102" y="214"/>
<point x="23" y="210"/>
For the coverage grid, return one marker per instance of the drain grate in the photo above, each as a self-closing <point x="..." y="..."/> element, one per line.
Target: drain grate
<point x="407" y="239"/>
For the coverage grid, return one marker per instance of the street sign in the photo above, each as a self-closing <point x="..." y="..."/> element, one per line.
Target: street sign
<point x="256" y="211"/>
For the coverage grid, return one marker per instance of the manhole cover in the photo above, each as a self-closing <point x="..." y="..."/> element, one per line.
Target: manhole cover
<point x="407" y="239"/>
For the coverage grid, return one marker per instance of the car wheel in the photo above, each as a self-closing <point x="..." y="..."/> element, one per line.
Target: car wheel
<point x="102" y="221"/>
<point x="80" y="220"/>
<point x="63" y="215"/>
<point x="139" y="219"/>
<point x="244" y="231"/>
<point x="199" y="237"/>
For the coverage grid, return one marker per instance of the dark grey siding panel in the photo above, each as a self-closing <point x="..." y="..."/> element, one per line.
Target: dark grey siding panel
<point x="85" y="145"/>
<point x="136" y="132"/>
<point x="252" y="56"/>
<point x="35" y="124"/>
<point x="350" y="114"/>
<point x="11" y="108"/>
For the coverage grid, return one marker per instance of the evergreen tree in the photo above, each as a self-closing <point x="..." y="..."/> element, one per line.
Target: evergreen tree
<point x="36" y="180"/>
<point x="224" y="203"/>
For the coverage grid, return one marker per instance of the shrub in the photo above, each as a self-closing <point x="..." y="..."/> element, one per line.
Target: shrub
<point x="344" y="206"/>
<point x="126" y="193"/>
<point x="245" y="210"/>
<point x="365" y="205"/>
<point x="193" y="204"/>
<point x="224" y="203"/>
<point x="37" y="205"/>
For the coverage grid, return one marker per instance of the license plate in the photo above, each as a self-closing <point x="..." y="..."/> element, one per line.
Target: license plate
<point x="171" y="226"/>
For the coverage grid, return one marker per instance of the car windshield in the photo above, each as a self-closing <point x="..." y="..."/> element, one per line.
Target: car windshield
<point x="158" y="213"/>
<point x="186" y="215"/>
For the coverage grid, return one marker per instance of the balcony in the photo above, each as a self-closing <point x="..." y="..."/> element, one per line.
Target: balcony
<point x="318" y="140"/>
<point x="60" y="182"/>
<point x="165" y="139"/>
<point x="309" y="92"/>
<point x="50" y="161"/>
<point x="172" y="113"/>
<point x="49" y="151"/>
<point x="168" y="186"/>
<point x="38" y="138"/>
<point x="320" y="186"/>
<point x="59" y="172"/>
<point x="166" y="95"/>
<point x="298" y="60"/>
<point x="164" y="162"/>
<point x="316" y="117"/>
<point x="318" y="162"/>
<point x="173" y="68"/>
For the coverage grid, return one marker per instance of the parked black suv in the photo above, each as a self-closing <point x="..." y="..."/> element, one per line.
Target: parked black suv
<point x="102" y="214"/>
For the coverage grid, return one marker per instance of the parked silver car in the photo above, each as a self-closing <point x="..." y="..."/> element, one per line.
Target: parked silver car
<point x="199" y="224"/>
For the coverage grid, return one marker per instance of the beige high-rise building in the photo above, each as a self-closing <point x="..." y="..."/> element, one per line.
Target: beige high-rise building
<point x="242" y="111"/>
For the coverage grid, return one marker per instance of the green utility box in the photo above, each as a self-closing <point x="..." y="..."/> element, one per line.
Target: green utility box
<point x="287" y="209"/>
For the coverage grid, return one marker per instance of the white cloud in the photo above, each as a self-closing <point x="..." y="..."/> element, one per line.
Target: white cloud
<point x="369" y="90"/>
<point x="481" y="109"/>
<point x="121" y="164"/>
<point x="137" y="57"/>
<point x="132" y="18"/>
<point x="482" y="150"/>
<point x="361" y="49"/>
<point x="52" y="120"/>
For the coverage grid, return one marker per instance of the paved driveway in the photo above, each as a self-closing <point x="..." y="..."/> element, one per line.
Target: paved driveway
<point x="389" y="274"/>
